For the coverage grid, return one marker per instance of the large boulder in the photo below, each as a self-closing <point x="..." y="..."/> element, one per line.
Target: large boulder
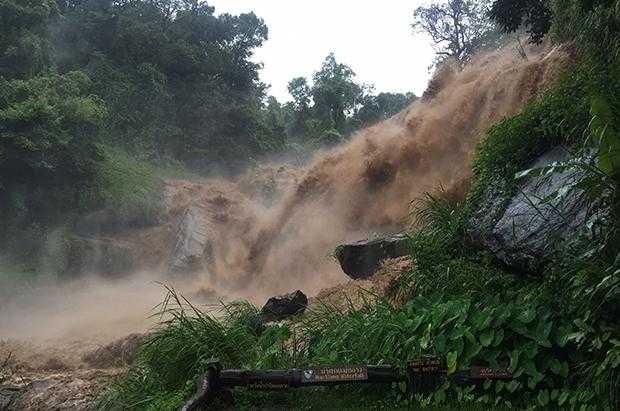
<point x="283" y="306"/>
<point x="361" y="259"/>
<point x="548" y="209"/>
<point x="193" y="246"/>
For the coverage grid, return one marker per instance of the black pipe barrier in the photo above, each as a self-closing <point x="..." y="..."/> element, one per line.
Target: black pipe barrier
<point x="421" y="375"/>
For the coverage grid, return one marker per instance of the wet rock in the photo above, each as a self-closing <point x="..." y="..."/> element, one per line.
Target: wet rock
<point x="8" y="395"/>
<point x="284" y="306"/>
<point x="192" y="244"/>
<point x="76" y="391"/>
<point x="524" y="229"/>
<point x="361" y="259"/>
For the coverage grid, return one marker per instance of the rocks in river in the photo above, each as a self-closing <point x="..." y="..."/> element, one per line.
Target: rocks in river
<point x="522" y="230"/>
<point x="361" y="259"/>
<point x="284" y="306"/>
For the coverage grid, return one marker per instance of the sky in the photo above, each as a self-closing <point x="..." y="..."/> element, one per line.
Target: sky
<point x="373" y="37"/>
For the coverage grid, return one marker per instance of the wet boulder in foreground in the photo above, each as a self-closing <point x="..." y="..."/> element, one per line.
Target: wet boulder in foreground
<point x="361" y="259"/>
<point x="523" y="229"/>
<point x="284" y="306"/>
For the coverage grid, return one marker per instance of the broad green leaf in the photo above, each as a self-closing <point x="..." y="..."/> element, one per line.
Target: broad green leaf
<point x="499" y="337"/>
<point x="486" y="338"/>
<point x="451" y="361"/>
<point x="556" y="366"/>
<point x="543" y="398"/>
<point x="564" y="370"/>
<point x="530" y="350"/>
<point x="469" y="336"/>
<point x="440" y="343"/>
<point x="486" y="318"/>
<point x="440" y="396"/>
<point x="603" y="127"/>
<point x="527" y="316"/>
<point x="512" y="386"/>
<point x="514" y="360"/>
<point x="562" y="398"/>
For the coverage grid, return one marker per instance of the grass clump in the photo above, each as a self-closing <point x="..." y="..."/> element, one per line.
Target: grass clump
<point x="557" y="330"/>
<point x="175" y="354"/>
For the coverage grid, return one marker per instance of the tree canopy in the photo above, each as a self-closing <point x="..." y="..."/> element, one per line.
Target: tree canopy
<point x="457" y="28"/>
<point x="335" y="104"/>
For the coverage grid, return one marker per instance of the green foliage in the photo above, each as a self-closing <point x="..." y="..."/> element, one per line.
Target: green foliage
<point x="381" y="107"/>
<point x="175" y="354"/>
<point x="561" y="116"/>
<point x="604" y="128"/>
<point x="24" y="48"/>
<point x="457" y="28"/>
<point x="512" y="15"/>
<point x="125" y="185"/>
<point x="45" y="154"/>
<point x="176" y="79"/>
<point x="42" y="121"/>
<point x="464" y="332"/>
<point x="593" y="24"/>
<point x="335" y="105"/>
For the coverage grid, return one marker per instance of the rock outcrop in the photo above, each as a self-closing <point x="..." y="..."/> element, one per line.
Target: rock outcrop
<point x="284" y="306"/>
<point x="548" y="210"/>
<point x="361" y="259"/>
<point x="192" y="244"/>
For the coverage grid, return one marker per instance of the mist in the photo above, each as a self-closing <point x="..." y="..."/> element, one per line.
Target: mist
<point x="273" y="229"/>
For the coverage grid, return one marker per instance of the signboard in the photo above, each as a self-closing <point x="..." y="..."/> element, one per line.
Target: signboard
<point x="267" y="386"/>
<point x="336" y="373"/>
<point x="426" y="365"/>
<point x="485" y="373"/>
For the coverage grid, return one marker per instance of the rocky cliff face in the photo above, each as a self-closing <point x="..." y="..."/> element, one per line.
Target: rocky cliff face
<point x="548" y="209"/>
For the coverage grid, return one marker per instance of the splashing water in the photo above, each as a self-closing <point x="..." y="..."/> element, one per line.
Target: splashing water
<point x="273" y="229"/>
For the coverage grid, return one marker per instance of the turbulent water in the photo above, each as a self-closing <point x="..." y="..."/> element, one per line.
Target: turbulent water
<point x="273" y="230"/>
<point x="366" y="186"/>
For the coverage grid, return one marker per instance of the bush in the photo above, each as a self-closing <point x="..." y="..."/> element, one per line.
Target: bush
<point x="125" y="185"/>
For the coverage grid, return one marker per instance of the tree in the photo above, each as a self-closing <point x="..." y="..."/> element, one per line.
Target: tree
<point x="178" y="79"/>
<point x="335" y="93"/>
<point x="48" y="126"/>
<point x="458" y="28"/>
<point x="382" y="106"/>
<point x="511" y="15"/>
<point x="299" y="89"/>
<point x="24" y="45"/>
<point x="335" y="105"/>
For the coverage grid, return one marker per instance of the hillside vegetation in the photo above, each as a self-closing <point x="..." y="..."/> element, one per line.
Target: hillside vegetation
<point x="100" y="97"/>
<point x="556" y="328"/>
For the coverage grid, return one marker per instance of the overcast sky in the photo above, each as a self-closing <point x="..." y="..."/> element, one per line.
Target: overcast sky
<point x="373" y="37"/>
